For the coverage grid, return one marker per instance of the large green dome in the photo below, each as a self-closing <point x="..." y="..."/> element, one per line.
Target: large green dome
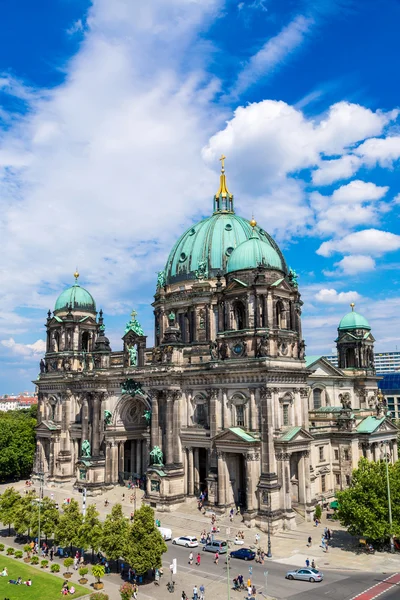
<point x="353" y="320"/>
<point x="77" y="298"/>
<point x="254" y="252"/>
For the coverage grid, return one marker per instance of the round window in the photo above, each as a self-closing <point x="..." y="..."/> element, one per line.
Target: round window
<point x="228" y="227"/>
<point x="192" y="231"/>
<point x="229" y="251"/>
<point x="182" y="257"/>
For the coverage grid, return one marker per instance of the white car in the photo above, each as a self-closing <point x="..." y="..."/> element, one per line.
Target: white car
<point x="186" y="540"/>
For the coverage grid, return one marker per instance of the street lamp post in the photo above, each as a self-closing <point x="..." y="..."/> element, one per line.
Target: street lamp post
<point x="40" y="476"/>
<point x="384" y="444"/>
<point x="269" y="552"/>
<point x="228" y="558"/>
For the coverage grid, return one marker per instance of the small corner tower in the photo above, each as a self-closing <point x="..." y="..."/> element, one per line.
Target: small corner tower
<point x="355" y="342"/>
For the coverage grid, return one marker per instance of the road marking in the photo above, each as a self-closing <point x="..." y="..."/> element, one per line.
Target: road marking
<point x="379" y="588"/>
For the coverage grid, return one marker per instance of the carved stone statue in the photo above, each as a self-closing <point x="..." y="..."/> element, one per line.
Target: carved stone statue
<point x="131" y="387"/>
<point x="380" y="405"/>
<point x="157" y="456"/>
<point x="147" y="416"/>
<point x="213" y="350"/>
<point x="223" y="350"/>
<point x="85" y="451"/>
<point x="302" y="349"/>
<point x="107" y="417"/>
<point x="345" y="401"/>
<point x="132" y="356"/>
<point x="262" y="347"/>
<point x="171" y="318"/>
<point x="201" y="271"/>
<point x="42" y="366"/>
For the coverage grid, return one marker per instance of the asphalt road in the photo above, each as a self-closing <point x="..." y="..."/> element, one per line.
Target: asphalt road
<point x="337" y="585"/>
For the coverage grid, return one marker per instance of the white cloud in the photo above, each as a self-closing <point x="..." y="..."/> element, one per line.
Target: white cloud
<point x="331" y="296"/>
<point x="355" y="264"/>
<point x="358" y="191"/>
<point x="34" y="350"/>
<point x="273" y="52"/>
<point x="383" y="151"/>
<point x="367" y="241"/>
<point x="336" y="169"/>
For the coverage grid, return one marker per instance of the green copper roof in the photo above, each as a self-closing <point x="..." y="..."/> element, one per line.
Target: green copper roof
<point x="289" y="434"/>
<point x="241" y="433"/>
<point x="370" y="424"/>
<point x="254" y="252"/>
<point x="354" y="320"/>
<point x="77" y="297"/>
<point x="312" y="359"/>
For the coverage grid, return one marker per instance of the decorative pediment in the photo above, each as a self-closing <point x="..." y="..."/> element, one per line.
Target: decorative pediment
<point x="47" y="425"/>
<point x="283" y="285"/>
<point x="88" y="320"/>
<point x="234" y="284"/>
<point x="235" y="434"/>
<point x="323" y="367"/>
<point x="295" y="435"/>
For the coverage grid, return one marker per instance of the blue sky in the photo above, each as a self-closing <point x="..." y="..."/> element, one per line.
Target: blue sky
<point x="112" y="119"/>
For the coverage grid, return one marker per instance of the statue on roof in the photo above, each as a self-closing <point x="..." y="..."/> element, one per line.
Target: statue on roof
<point x="157" y="456"/>
<point x="147" y="416"/>
<point x="107" y="417"/>
<point x="293" y="278"/>
<point x="134" y="325"/>
<point x="201" y="271"/>
<point x="132" y="351"/>
<point x="131" y="387"/>
<point x="345" y="401"/>
<point x="161" y="279"/>
<point x="85" y="450"/>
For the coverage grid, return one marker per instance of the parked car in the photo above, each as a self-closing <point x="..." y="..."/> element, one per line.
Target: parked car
<point x="165" y="532"/>
<point x="186" y="540"/>
<point x="311" y="575"/>
<point x="216" y="546"/>
<point x="244" y="554"/>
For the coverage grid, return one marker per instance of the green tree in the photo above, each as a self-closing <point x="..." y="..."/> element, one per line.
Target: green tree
<point x="363" y="507"/>
<point x="9" y="500"/>
<point x="17" y="444"/>
<point x="115" y="531"/>
<point x="91" y="531"/>
<point x="49" y="517"/>
<point x="69" y="524"/>
<point x="25" y="513"/>
<point x="145" y="545"/>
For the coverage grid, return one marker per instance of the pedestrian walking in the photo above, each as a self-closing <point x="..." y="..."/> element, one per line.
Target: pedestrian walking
<point x="191" y="558"/>
<point x="329" y="534"/>
<point x="307" y="562"/>
<point x="51" y="553"/>
<point x="202" y="592"/>
<point x="184" y="597"/>
<point x="216" y="558"/>
<point x="195" y="593"/>
<point x="198" y="559"/>
<point x="257" y="538"/>
<point x="309" y="541"/>
<point x="313" y="564"/>
<point x="249" y="591"/>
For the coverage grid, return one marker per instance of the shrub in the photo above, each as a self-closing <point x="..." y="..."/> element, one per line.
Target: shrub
<point x="10" y="551"/>
<point x="55" y="568"/>
<point x="18" y="554"/>
<point x="318" y="512"/>
<point x="1" y="547"/>
<point x="27" y="550"/>
<point x="83" y="571"/>
<point x="35" y="560"/>
<point x="44" y="563"/>
<point x="99" y="596"/>
<point x="126" y="591"/>
<point x="68" y="562"/>
<point x="98" y="572"/>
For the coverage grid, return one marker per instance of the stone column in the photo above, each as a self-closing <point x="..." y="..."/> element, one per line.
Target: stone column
<point x="96" y="424"/>
<point x="394" y="451"/>
<point x="307" y="476"/>
<point x="190" y="472"/>
<point x="65" y="421"/>
<point x="114" y="462"/>
<point x="189" y="396"/>
<point x="251" y="480"/>
<point x="185" y="470"/>
<point x="177" y="452"/>
<point x="154" y="435"/>
<point x="85" y="419"/>
<point x="196" y="470"/>
<point x="302" y="478"/>
<point x="213" y="394"/>
<point x="221" y="479"/>
<point x="225" y="409"/>
<point x="108" y="468"/>
<point x="169" y="427"/>
<point x="253" y="411"/>
<point x="51" y="458"/>
<point x="268" y="461"/>
<point x="121" y="456"/>
<point x="145" y="454"/>
<point x="139" y="457"/>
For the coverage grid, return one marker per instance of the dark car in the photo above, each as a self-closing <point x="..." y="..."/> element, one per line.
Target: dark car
<point x="244" y="554"/>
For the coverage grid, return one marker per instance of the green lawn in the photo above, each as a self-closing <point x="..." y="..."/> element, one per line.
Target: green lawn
<point x="44" y="585"/>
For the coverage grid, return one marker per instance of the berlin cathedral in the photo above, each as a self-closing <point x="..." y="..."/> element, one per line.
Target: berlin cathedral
<point x="226" y="402"/>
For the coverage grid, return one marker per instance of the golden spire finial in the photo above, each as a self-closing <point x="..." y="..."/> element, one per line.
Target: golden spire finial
<point x="352" y="306"/>
<point x="253" y="222"/>
<point x="76" y="275"/>
<point x="223" y="188"/>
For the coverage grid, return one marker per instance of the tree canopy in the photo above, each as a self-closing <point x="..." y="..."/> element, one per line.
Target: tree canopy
<point x="69" y="525"/>
<point x="91" y="531"/>
<point x="145" y="545"/>
<point x="115" y="530"/>
<point x="17" y="443"/>
<point x="364" y="508"/>
<point x="9" y="500"/>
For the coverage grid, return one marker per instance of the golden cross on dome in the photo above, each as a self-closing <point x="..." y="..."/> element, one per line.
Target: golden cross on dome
<point x="76" y="274"/>
<point x="222" y="159"/>
<point x="352" y="306"/>
<point x="133" y="314"/>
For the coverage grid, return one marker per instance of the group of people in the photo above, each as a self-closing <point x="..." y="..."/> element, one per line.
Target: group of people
<point x="312" y="564"/>
<point x="198" y="593"/>
<point x="198" y="559"/>
<point x="65" y="590"/>
<point x="19" y="581"/>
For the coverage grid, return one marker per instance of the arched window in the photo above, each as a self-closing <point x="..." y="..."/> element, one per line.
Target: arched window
<point x="86" y="341"/>
<point x="280" y="315"/>
<point x="240" y="415"/>
<point x="200" y="413"/>
<point x="317" y="398"/>
<point x="55" y="345"/>
<point x="239" y="314"/>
